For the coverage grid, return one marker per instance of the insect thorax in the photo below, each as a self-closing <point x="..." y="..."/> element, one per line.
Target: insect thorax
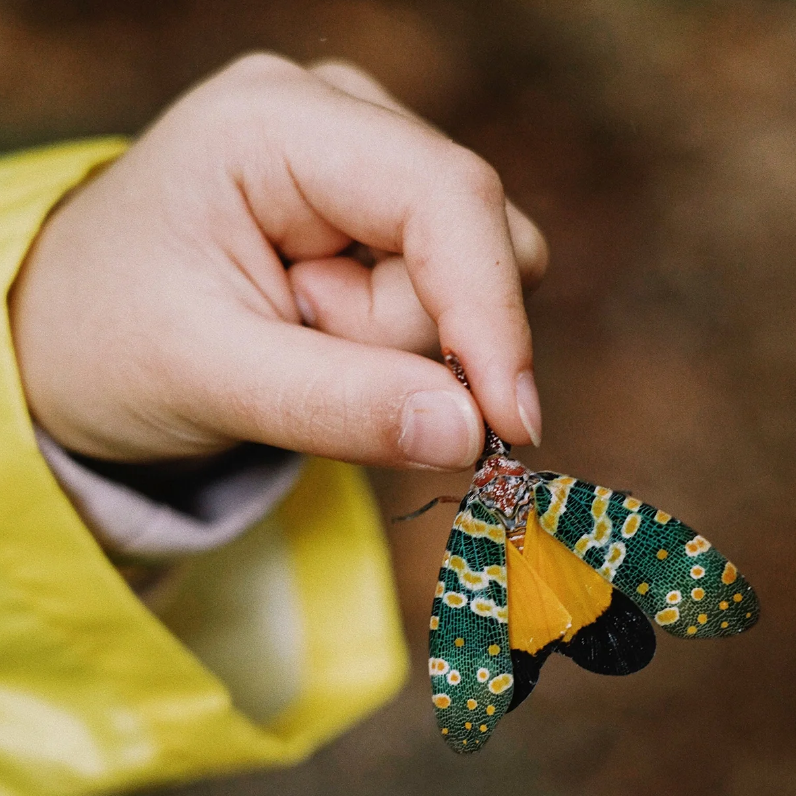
<point x="505" y="487"/>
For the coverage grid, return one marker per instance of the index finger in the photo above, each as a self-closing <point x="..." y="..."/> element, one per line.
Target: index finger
<point x="390" y="182"/>
<point x="530" y="249"/>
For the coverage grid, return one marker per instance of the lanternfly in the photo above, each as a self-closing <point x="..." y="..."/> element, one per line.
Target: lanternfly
<point x="537" y="563"/>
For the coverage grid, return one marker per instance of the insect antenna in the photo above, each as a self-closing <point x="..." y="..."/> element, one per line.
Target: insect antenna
<point x="423" y="509"/>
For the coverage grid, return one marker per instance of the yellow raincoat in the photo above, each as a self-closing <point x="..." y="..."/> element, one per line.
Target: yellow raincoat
<point x="97" y="695"/>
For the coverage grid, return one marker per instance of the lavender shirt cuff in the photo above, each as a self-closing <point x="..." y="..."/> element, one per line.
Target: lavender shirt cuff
<point x="170" y="510"/>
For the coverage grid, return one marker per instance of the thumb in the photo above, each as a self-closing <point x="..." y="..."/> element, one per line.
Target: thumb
<point x="293" y="387"/>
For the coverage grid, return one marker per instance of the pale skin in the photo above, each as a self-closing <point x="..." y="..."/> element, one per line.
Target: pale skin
<point x="154" y="318"/>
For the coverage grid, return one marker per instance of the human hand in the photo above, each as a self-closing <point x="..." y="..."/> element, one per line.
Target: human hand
<point x="155" y="319"/>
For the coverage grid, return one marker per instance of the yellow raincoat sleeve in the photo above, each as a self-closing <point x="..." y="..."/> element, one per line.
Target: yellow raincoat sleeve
<point x="97" y="695"/>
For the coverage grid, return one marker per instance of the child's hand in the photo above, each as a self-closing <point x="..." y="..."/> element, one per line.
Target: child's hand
<point x="154" y="317"/>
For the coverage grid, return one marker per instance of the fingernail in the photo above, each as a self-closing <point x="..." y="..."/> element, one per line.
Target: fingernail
<point x="439" y="429"/>
<point x="528" y="406"/>
<point x="306" y="310"/>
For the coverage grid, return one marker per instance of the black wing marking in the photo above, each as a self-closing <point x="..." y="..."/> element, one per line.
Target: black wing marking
<point x="620" y="641"/>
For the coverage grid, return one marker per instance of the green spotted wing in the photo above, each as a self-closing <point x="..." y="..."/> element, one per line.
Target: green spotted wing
<point x="470" y="659"/>
<point x="674" y="575"/>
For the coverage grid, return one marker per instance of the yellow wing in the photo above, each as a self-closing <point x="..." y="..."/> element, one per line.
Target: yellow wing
<point x="581" y="591"/>
<point x="536" y="615"/>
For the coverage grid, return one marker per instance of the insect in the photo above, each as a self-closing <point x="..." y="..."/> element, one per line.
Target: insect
<point x="538" y="562"/>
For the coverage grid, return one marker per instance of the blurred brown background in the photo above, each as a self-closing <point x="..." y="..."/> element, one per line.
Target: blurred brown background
<point x="655" y="144"/>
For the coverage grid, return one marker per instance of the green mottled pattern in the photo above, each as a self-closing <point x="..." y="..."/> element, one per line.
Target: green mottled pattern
<point x="462" y="642"/>
<point x="675" y="576"/>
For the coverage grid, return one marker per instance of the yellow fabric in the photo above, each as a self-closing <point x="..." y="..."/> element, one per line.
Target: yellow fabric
<point x="96" y="695"/>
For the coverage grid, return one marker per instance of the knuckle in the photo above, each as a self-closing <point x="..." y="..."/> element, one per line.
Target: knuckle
<point x="355" y="81"/>
<point x="475" y="175"/>
<point x="258" y="66"/>
<point x="242" y="92"/>
<point x="533" y="258"/>
<point x="542" y="261"/>
<point x="339" y="68"/>
<point x="530" y="247"/>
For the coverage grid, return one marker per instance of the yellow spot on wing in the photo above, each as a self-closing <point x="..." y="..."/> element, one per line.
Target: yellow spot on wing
<point x="643" y="588"/>
<point x="501" y="683"/>
<point x="490" y="710"/>
<point x="667" y="616"/>
<point x="471" y="704"/>
<point x="724" y="605"/>
<point x="602" y="530"/>
<point x="497" y="573"/>
<point x="631" y="525"/>
<point x="725" y="625"/>
<point x="441" y="701"/>
<point x="459" y="642"/>
<point x="457" y="564"/>
<point x="702" y="618"/>
<point x="483" y="606"/>
<point x="662" y="517"/>
<point x="616" y="554"/>
<point x="661" y="554"/>
<point x="437" y="666"/>
<point x="466" y="523"/>
<point x="493" y="649"/>
<point x="613" y="560"/>
<point x="563" y="481"/>
<point x="496" y="534"/>
<point x="631" y="503"/>
<point x="474" y="580"/>
<point x="736" y="598"/>
<point x="696" y="546"/>
<point x="691" y="630"/>
<point x="559" y="492"/>
<point x="454" y="599"/>
<point x="549" y="522"/>
<point x="730" y="573"/>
